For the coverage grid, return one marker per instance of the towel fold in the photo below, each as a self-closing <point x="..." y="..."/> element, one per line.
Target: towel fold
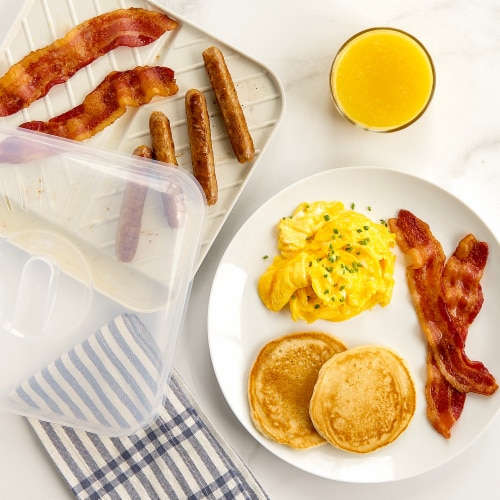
<point x="108" y="384"/>
<point x="181" y="455"/>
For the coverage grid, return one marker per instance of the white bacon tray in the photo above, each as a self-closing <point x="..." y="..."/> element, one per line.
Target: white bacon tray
<point x="60" y="278"/>
<point x="42" y="21"/>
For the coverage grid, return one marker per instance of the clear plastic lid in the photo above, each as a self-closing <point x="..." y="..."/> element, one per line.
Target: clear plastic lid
<point x="97" y="256"/>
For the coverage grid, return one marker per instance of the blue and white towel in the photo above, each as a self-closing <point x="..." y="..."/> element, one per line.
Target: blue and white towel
<point x="108" y="384"/>
<point x="181" y="455"/>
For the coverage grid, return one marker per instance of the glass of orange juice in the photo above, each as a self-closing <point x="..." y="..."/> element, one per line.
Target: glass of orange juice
<point x="382" y="79"/>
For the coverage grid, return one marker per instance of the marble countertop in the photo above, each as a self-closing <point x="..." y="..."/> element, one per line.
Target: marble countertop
<point x="456" y="144"/>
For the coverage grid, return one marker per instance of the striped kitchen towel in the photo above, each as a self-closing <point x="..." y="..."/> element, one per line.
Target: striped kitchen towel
<point x="181" y="455"/>
<point x="110" y="383"/>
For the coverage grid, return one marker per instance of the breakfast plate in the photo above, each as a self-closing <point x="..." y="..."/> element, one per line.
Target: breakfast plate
<point x="239" y="324"/>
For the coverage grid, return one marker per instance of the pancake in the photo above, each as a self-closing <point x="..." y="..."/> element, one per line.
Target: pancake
<point x="281" y="383"/>
<point x="364" y="399"/>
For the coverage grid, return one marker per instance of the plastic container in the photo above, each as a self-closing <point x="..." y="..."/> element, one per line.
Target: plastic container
<point x="72" y="317"/>
<point x="85" y="339"/>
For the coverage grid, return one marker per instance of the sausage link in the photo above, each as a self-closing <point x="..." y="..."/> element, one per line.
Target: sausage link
<point x="130" y="218"/>
<point x="164" y="151"/>
<point x="229" y="104"/>
<point x="143" y="152"/>
<point x="200" y="140"/>
<point x="161" y="138"/>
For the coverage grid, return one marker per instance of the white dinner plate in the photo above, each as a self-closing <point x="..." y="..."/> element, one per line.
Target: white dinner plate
<point x="239" y="324"/>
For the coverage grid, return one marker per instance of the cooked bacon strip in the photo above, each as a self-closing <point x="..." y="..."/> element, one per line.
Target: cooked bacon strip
<point x="464" y="298"/>
<point x="461" y="282"/>
<point x="424" y="280"/>
<point x="33" y="77"/>
<point x="444" y="402"/>
<point x="14" y="149"/>
<point x="108" y="102"/>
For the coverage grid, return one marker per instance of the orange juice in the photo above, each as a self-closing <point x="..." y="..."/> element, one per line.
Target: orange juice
<point x="382" y="79"/>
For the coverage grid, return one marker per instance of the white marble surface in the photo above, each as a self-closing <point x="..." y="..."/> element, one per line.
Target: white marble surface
<point x="456" y="144"/>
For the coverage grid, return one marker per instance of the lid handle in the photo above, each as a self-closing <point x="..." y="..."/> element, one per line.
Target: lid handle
<point x="36" y="295"/>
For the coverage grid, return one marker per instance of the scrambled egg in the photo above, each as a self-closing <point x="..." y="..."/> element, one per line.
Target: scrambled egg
<point x="333" y="264"/>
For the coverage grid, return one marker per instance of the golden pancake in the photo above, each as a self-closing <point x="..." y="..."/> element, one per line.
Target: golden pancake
<point x="364" y="399"/>
<point x="281" y="382"/>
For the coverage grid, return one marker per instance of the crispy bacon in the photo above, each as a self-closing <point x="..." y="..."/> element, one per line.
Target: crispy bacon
<point x="17" y="150"/>
<point x="461" y="282"/>
<point x="424" y="280"/>
<point x="464" y="298"/>
<point x="444" y="403"/>
<point x="108" y="102"/>
<point x="33" y="77"/>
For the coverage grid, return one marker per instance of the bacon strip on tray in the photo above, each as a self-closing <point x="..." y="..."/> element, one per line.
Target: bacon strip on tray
<point x="108" y="102"/>
<point x="464" y="298"/>
<point x="424" y="280"/>
<point x="33" y="77"/>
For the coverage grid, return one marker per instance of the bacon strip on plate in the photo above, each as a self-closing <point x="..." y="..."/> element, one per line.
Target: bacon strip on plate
<point x="464" y="298"/>
<point x="444" y="403"/>
<point x="33" y="76"/>
<point x="424" y="280"/>
<point x="108" y="101"/>
<point x="461" y="282"/>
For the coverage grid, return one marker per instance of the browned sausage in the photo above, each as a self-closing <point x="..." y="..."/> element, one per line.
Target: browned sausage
<point x="130" y="218"/>
<point x="164" y="151"/>
<point x="161" y="138"/>
<point x="200" y="139"/>
<point x="229" y="104"/>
